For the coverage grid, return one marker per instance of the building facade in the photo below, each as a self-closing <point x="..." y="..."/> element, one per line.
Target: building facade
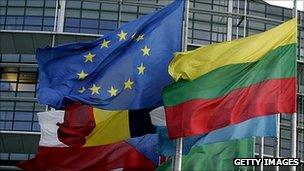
<point x="29" y="24"/>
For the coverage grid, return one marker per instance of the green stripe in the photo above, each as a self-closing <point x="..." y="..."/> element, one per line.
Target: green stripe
<point x="217" y="156"/>
<point x="278" y="63"/>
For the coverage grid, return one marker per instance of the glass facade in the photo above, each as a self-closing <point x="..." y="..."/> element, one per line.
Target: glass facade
<point x="208" y="21"/>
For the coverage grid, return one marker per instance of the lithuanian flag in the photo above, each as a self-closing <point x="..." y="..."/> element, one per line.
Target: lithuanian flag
<point x="227" y="83"/>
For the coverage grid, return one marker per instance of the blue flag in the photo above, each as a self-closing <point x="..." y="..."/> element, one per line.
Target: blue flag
<point x="125" y="69"/>
<point x="263" y="126"/>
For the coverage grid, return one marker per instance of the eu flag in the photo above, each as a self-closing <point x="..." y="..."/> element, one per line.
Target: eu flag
<point x="125" y="69"/>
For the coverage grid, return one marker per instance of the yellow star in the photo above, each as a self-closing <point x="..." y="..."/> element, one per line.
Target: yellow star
<point x="128" y="84"/>
<point x="141" y="69"/>
<point x="113" y="91"/>
<point x="94" y="89"/>
<point x="89" y="57"/>
<point x="105" y="44"/>
<point x="122" y="35"/>
<point x="82" y="75"/>
<point x="81" y="90"/>
<point x="145" y="51"/>
<point x="140" y="37"/>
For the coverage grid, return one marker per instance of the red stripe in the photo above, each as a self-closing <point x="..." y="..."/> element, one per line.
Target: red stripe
<point x="200" y="116"/>
<point x="107" y="157"/>
<point x="78" y="123"/>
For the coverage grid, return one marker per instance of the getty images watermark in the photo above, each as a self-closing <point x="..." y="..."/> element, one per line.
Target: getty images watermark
<point x="266" y="161"/>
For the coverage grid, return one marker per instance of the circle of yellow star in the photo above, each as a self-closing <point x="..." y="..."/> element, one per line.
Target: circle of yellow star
<point x="140" y="37"/>
<point x="81" y="90"/>
<point x="94" y="89"/>
<point x="82" y="75"/>
<point x="113" y="91"/>
<point x="105" y="43"/>
<point x="128" y="84"/>
<point x="141" y="69"/>
<point x="122" y="35"/>
<point x="146" y="51"/>
<point x="89" y="57"/>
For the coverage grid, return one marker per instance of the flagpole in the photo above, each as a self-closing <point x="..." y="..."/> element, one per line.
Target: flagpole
<point x="294" y="116"/>
<point x="177" y="164"/>
<point x="278" y="139"/>
<point x="262" y="152"/>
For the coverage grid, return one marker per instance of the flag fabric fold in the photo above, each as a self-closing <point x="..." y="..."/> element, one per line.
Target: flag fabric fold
<point x="125" y="69"/>
<point x="264" y="126"/>
<point x="87" y="126"/>
<point x="228" y="83"/>
<point x="133" y="154"/>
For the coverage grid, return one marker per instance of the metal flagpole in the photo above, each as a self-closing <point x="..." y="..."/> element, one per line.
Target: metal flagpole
<point x="245" y="18"/>
<point x="278" y="139"/>
<point x="262" y="152"/>
<point x="294" y="116"/>
<point x="177" y="164"/>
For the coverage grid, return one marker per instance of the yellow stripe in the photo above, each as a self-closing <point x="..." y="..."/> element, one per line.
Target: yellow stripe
<point x="111" y="127"/>
<point x="192" y="64"/>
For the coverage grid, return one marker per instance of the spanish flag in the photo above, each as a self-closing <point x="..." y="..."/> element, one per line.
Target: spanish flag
<point x="227" y="83"/>
<point x="87" y="126"/>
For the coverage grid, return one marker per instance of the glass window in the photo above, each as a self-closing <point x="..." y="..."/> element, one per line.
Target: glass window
<point x="15" y="11"/>
<point x="36" y="126"/>
<point x="90" y="14"/>
<point x="111" y="25"/>
<point x="72" y="13"/>
<point x="90" y="5"/>
<point x="49" y="12"/>
<point x="25" y="94"/>
<point x="23" y="116"/>
<point x="22" y="126"/>
<point x="88" y="30"/>
<point x="6" y="115"/>
<point x="128" y="16"/>
<point x="28" y="58"/>
<point x="49" y="21"/>
<point x="4" y="156"/>
<point x="27" y="77"/>
<point x="5" y="125"/>
<point x="34" y="11"/>
<point x="109" y="7"/>
<point x="127" y="8"/>
<point x="8" y="77"/>
<point x="2" y="11"/>
<point x="26" y="87"/>
<point x="71" y="30"/>
<point x="3" y="2"/>
<point x="146" y="10"/>
<point x="256" y="6"/>
<point x="73" y="4"/>
<point x="109" y="15"/>
<point x="34" y="3"/>
<point x="16" y="156"/>
<point x="274" y="10"/>
<point x="89" y="23"/>
<point x="50" y="3"/>
<point x="16" y="20"/>
<point x="33" y="21"/>
<point x="74" y="22"/>
<point x="24" y="106"/>
<point x="16" y="3"/>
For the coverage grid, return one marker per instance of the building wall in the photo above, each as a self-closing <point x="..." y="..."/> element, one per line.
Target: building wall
<point x="207" y="24"/>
